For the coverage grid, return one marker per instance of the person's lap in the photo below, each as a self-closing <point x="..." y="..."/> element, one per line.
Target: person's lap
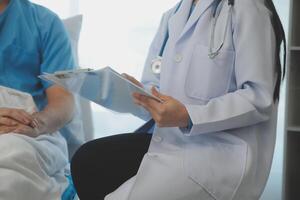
<point x="32" y="166"/>
<point x="153" y="181"/>
<point x="101" y="166"/>
<point x="108" y="167"/>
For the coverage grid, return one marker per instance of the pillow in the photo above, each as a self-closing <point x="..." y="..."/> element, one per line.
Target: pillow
<point x="11" y="98"/>
<point x="73" y="27"/>
<point x="74" y="131"/>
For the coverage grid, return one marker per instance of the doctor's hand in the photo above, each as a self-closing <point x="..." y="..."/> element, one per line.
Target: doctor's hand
<point x="170" y="113"/>
<point x="133" y="80"/>
<point x="12" y="118"/>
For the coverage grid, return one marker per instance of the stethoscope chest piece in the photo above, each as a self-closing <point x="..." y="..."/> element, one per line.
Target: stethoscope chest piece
<point x="156" y="65"/>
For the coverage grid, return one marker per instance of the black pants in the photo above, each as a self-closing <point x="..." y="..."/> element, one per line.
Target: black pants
<point x="101" y="166"/>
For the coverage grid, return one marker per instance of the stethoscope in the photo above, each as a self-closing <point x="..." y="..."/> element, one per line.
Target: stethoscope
<point x="156" y="64"/>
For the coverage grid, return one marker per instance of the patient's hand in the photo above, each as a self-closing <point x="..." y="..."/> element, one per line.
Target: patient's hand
<point x="6" y="129"/>
<point x="26" y="130"/>
<point x="10" y="119"/>
<point x="56" y="114"/>
<point x="17" y="121"/>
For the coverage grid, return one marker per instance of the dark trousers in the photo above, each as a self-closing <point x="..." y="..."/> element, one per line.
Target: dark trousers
<point x="101" y="166"/>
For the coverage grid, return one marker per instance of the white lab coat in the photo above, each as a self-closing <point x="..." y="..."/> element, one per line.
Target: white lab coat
<point x="228" y="152"/>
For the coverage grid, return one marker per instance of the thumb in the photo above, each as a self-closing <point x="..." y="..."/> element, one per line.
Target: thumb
<point x="158" y="94"/>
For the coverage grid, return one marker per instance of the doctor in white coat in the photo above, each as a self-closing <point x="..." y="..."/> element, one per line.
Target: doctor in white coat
<point x="219" y="81"/>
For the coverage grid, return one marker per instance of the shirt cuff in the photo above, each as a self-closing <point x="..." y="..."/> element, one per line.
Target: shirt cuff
<point x="188" y="129"/>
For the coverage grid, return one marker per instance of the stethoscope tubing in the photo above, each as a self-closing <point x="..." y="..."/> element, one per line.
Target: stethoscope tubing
<point x="212" y="53"/>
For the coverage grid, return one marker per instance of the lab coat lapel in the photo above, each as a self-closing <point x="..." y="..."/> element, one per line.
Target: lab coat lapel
<point x="179" y="19"/>
<point x="202" y="6"/>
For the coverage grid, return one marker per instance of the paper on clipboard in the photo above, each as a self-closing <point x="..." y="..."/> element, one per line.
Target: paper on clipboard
<point x="105" y="87"/>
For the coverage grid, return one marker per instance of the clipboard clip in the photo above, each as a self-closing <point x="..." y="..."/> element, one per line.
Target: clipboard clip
<point x="69" y="73"/>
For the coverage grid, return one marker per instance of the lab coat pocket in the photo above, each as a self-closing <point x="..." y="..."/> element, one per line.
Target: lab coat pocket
<point x="217" y="163"/>
<point x="209" y="78"/>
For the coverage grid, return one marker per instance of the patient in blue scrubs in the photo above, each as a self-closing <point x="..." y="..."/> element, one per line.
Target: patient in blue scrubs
<point x="33" y="40"/>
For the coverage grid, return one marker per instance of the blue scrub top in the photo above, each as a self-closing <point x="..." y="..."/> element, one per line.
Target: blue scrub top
<point x="33" y="40"/>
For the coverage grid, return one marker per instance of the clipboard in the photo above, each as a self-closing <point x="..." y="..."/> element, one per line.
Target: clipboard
<point x="105" y="87"/>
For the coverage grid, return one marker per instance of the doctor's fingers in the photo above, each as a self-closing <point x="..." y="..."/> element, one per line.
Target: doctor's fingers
<point x="132" y="79"/>
<point x="7" y="121"/>
<point x="16" y="114"/>
<point x="150" y="108"/>
<point x="159" y="95"/>
<point x="158" y="118"/>
<point x="154" y="114"/>
<point x="148" y="102"/>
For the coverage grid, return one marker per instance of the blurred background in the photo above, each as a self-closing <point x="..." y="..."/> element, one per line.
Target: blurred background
<point x="118" y="34"/>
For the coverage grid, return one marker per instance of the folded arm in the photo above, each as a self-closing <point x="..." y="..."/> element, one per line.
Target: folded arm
<point x="57" y="113"/>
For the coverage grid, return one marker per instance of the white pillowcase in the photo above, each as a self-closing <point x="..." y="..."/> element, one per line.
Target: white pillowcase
<point x="73" y="26"/>
<point x="10" y="98"/>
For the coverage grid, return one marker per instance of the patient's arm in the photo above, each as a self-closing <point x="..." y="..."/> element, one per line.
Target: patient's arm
<point x="56" y="114"/>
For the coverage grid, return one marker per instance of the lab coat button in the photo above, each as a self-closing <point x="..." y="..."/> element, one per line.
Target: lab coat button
<point x="178" y="58"/>
<point x="157" y="139"/>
